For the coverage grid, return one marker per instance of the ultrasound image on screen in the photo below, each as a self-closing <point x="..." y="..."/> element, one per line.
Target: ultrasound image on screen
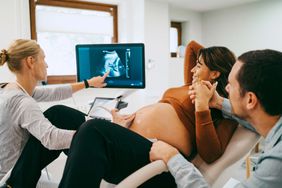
<point x="116" y="63"/>
<point x="124" y="62"/>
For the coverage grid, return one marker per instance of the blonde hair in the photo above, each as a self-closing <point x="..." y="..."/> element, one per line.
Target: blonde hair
<point x="17" y="51"/>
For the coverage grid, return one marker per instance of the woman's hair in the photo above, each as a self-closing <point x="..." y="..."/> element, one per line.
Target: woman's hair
<point x="220" y="59"/>
<point x="19" y="50"/>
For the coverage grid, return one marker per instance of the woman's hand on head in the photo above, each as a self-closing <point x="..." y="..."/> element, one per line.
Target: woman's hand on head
<point x="98" y="81"/>
<point x="122" y="120"/>
<point x="162" y="151"/>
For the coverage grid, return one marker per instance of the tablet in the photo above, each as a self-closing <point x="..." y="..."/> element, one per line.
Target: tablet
<point x="101" y="108"/>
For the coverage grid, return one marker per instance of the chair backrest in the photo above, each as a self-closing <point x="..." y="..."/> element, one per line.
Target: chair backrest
<point x="241" y="143"/>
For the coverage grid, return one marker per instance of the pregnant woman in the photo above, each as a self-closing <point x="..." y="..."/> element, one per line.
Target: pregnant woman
<point x="104" y="150"/>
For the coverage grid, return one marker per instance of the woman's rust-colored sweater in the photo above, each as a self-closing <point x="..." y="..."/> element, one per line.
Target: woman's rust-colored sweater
<point x="209" y="133"/>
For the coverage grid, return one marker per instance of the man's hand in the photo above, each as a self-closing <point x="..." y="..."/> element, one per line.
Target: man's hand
<point x="122" y="120"/>
<point x="98" y="81"/>
<point x="162" y="151"/>
<point x="215" y="100"/>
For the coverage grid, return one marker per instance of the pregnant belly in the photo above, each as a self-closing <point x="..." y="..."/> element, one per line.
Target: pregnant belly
<point x="160" y="121"/>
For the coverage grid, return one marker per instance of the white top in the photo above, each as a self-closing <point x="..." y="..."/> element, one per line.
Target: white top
<point x="20" y="115"/>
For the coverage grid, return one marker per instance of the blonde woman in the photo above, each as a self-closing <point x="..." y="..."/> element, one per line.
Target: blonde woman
<point x="30" y="139"/>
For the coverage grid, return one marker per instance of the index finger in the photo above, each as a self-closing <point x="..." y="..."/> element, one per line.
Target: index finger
<point x="106" y="74"/>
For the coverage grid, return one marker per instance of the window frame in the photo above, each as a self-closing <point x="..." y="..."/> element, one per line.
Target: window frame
<point x="80" y="4"/>
<point x="178" y="27"/>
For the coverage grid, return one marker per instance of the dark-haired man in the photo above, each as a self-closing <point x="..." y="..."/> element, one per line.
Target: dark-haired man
<point x="255" y="93"/>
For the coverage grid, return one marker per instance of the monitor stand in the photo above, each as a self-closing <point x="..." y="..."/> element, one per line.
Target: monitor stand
<point x="121" y="96"/>
<point x="125" y="93"/>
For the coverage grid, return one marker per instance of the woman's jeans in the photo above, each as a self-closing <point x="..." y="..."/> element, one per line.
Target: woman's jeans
<point x="103" y="150"/>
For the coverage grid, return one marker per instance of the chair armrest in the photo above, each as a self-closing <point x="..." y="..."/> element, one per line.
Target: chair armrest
<point x="242" y="141"/>
<point x="143" y="174"/>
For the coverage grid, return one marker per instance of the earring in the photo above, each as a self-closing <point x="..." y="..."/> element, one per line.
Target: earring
<point x="213" y="81"/>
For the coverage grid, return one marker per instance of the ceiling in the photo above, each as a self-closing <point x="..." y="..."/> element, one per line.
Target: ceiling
<point x="205" y="5"/>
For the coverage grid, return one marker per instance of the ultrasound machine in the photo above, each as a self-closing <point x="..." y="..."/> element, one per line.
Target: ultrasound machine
<point x="125" y="63"/>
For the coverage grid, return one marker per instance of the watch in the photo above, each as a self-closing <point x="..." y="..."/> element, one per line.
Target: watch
<point x="86" y="83"/>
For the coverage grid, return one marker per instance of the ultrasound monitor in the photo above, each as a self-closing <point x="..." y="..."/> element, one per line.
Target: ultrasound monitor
<point x="124" y="62"/>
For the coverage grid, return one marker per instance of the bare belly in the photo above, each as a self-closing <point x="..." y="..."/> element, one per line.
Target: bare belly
<point x="160" y="121"/>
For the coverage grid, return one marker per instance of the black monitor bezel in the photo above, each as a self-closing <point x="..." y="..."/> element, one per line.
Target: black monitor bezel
<point x="114" y="45"/>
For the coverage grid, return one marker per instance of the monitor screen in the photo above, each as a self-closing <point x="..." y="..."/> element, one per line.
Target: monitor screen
<point x="124" y="62"/>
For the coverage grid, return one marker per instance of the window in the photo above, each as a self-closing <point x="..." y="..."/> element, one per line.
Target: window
<point x="175" y="37"/>
<point x="58" y="25"/>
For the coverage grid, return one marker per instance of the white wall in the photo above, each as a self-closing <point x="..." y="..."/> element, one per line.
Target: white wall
<point x="130" y="19"/>
<point x="247" y="27"/>
<point x="14" y="19"/>
<point x="191" y="23"/>
<point x="133" y="18"/>
<point x="191" y="30"/>
<point x="157" y="46"/>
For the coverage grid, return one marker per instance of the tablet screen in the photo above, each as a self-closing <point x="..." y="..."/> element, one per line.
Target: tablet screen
<point x="101" y="108"/>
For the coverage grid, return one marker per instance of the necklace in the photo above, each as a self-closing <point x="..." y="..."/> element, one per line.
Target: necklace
<point x="21" y="87"/>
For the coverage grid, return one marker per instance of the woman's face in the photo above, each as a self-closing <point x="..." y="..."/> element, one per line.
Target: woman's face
<point x="40" y="67"/>
<point x="201" y="71"/>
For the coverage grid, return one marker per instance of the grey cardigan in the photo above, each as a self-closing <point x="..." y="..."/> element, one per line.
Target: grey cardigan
<point x="20" y="116"/>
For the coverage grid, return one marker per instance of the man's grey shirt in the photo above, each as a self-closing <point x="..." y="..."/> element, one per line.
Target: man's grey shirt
<point x="267" y="172"/>
<point x="20" y="116"/>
